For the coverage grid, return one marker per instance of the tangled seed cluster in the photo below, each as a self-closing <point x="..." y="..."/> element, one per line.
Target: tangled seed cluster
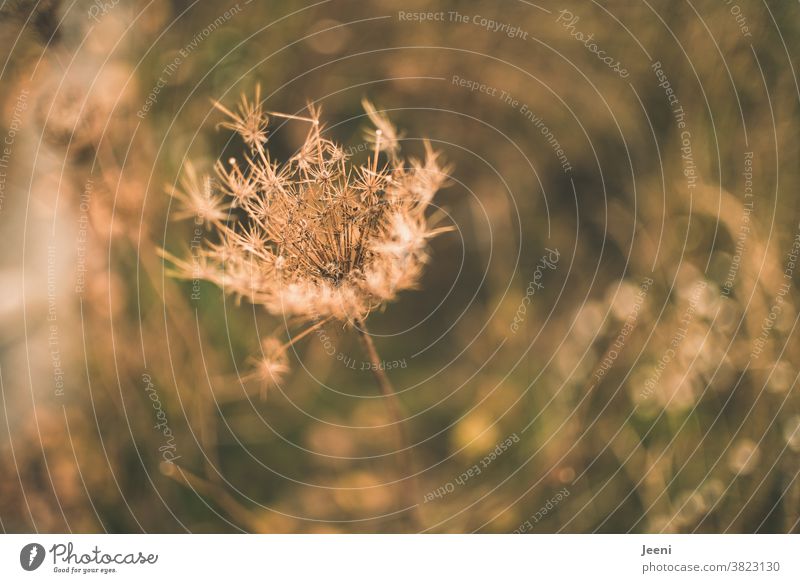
<point x="317" y="236"/>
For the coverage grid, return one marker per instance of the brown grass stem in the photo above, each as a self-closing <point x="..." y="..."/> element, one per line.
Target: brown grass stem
<point x="395" y="407"/>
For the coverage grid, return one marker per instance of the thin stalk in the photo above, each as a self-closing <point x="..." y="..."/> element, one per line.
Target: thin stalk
<point x="210" y="489"/>
<point x="305" y="333"/>
<point x="395" y="407"/>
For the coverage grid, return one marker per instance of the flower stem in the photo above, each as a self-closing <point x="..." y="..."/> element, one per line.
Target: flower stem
<point x="304" y="333"/>
<point x="395" y="407"/>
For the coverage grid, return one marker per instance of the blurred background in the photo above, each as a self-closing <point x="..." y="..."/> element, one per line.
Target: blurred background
<point x="606" y="341"/>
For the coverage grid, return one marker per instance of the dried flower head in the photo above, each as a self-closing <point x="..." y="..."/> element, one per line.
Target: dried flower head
<point x="249" y="121"/>
<point x="317" y="236"/>
<point x="271" y="365"/>
<point x="198" y="200"/>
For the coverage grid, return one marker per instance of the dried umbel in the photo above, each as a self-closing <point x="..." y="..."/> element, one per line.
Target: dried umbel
<point x="318" y="237"/>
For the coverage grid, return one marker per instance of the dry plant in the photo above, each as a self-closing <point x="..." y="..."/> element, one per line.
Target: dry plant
<point x="317" y="238"/>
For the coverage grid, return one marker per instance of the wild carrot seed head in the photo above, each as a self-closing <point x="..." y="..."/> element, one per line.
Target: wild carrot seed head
<point x="316" y="236"/>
